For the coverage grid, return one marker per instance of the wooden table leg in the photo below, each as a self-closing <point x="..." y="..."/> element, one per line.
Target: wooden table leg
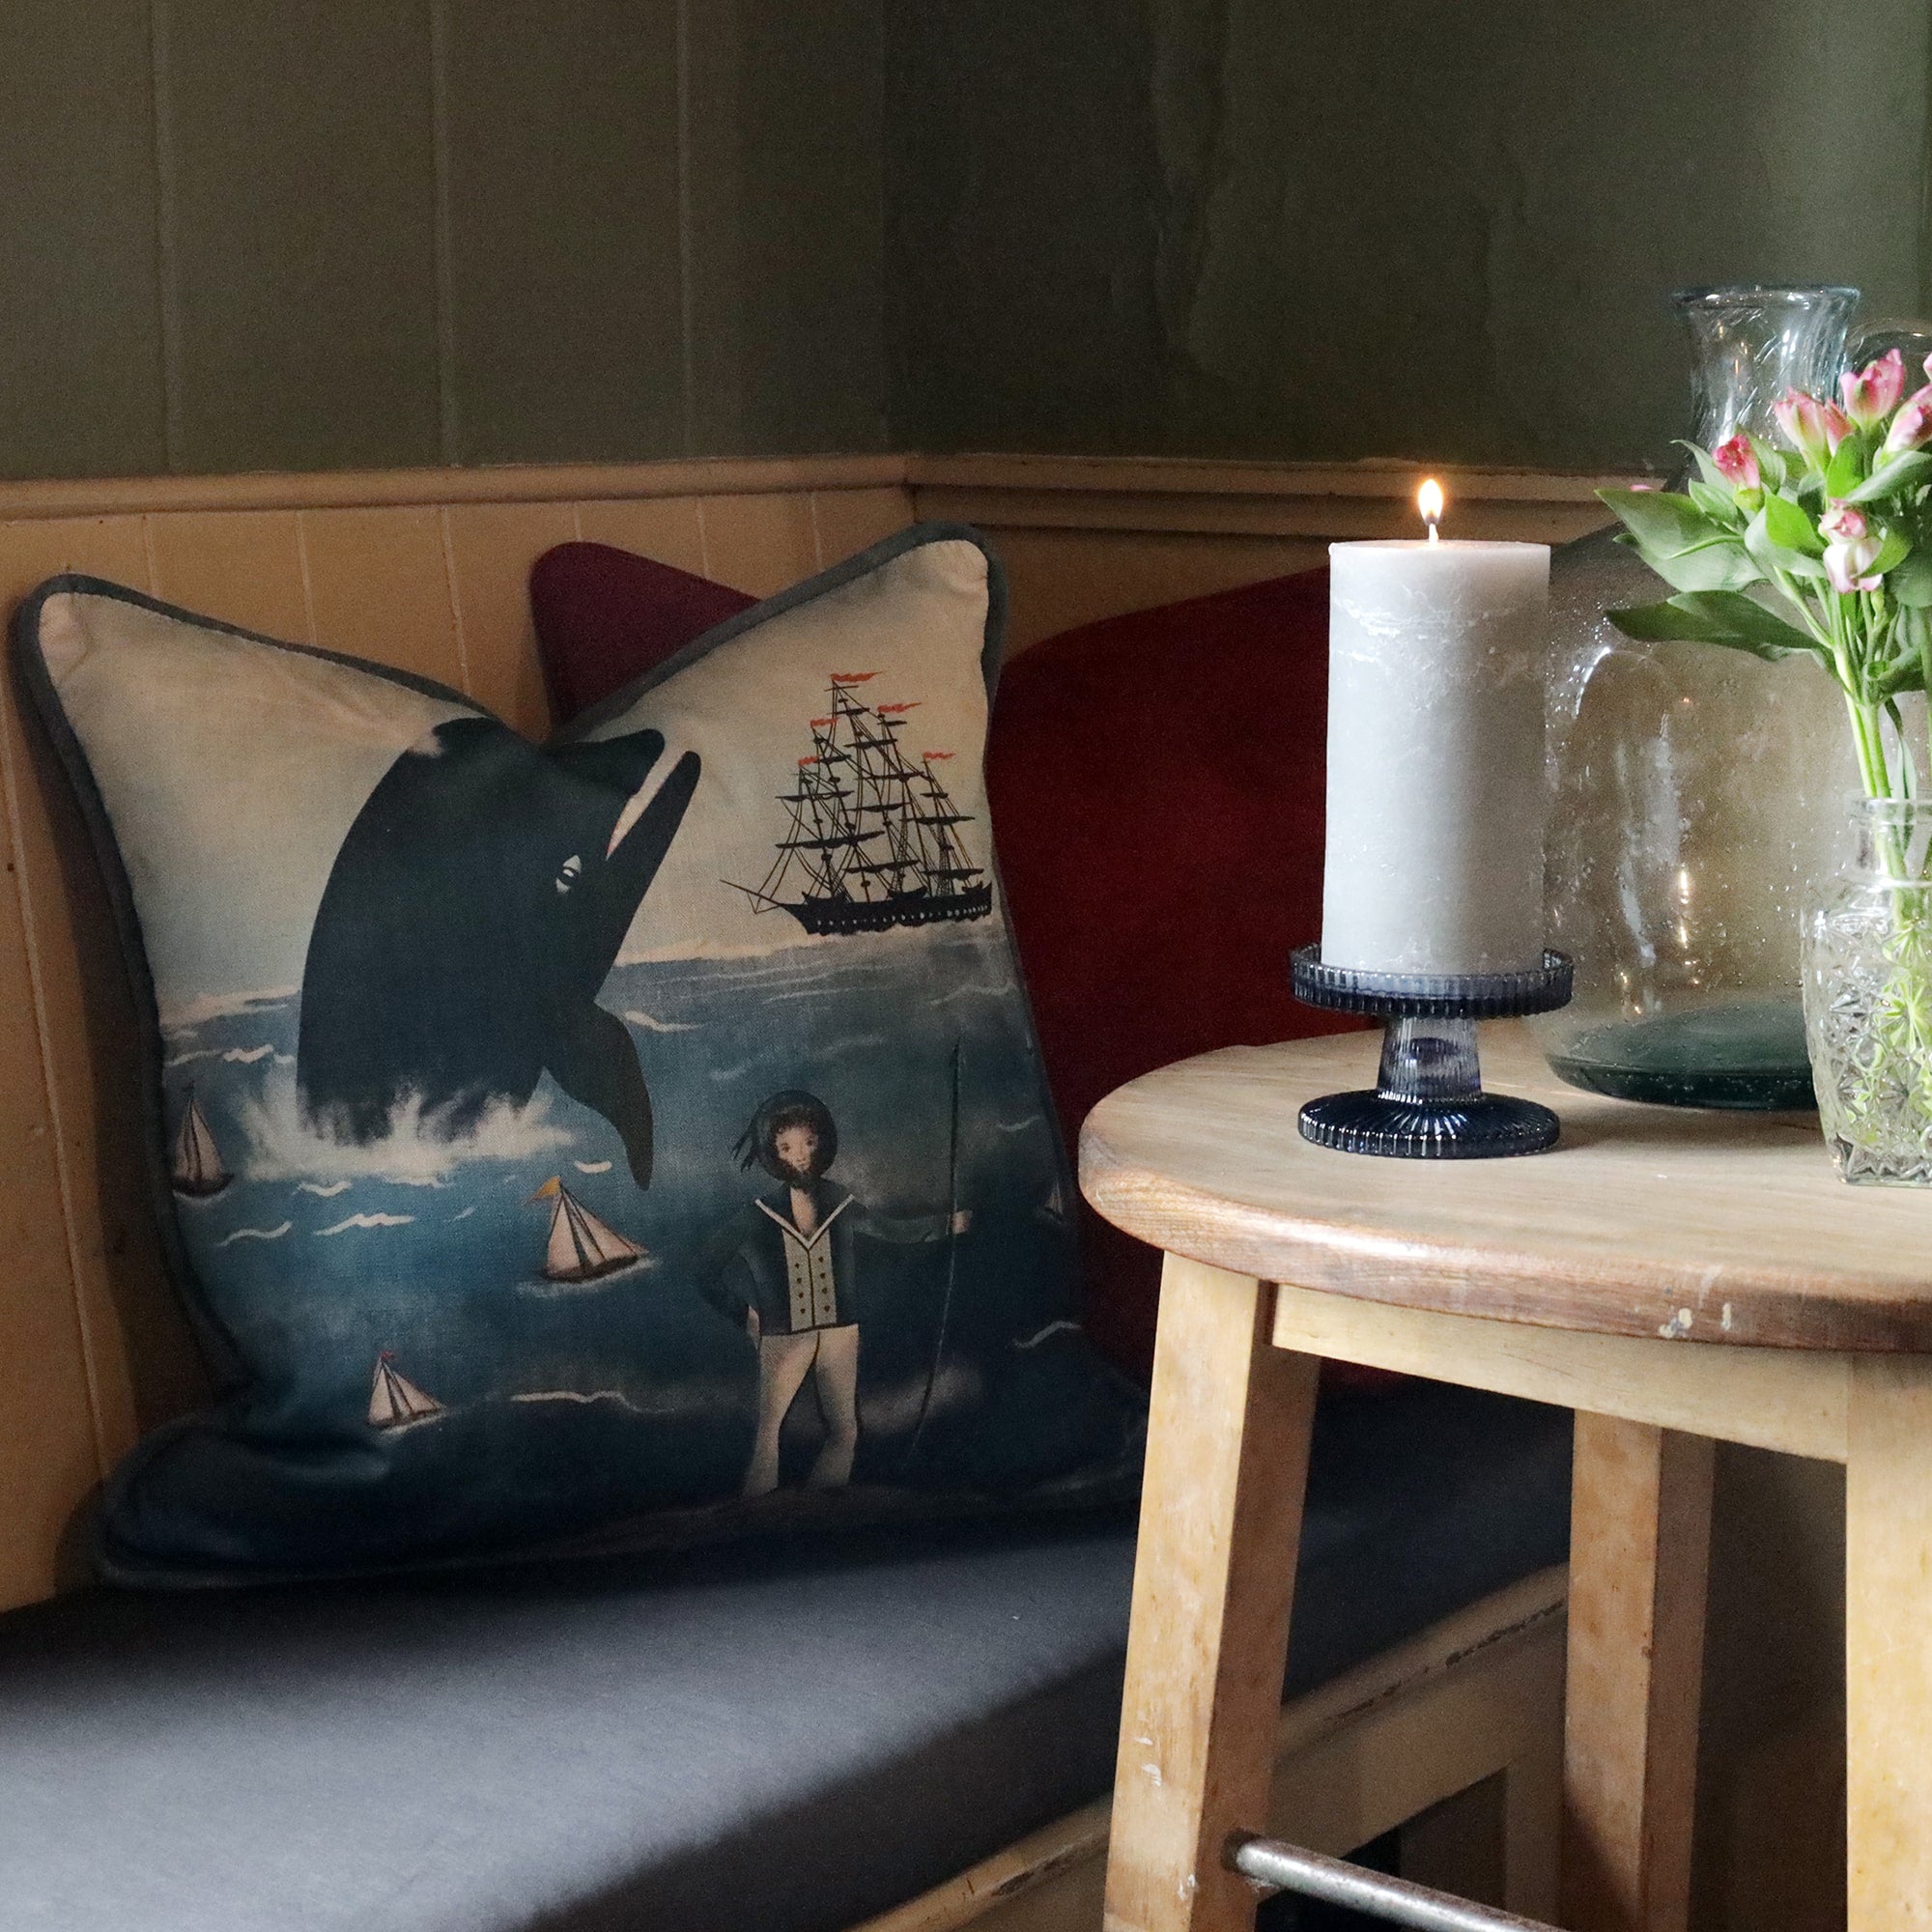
<point x="1220" y="1526"/>
<point x="1889" y="1645"/>
<point x="1639" y="1560"/>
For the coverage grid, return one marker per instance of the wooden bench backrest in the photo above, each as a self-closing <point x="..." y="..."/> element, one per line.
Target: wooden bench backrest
<point x="428" y="570"/>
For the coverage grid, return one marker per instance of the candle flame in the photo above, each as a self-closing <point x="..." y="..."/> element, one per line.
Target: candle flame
<point x="1429" y="500"/>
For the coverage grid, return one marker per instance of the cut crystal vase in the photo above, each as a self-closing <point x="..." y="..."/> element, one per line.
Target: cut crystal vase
<point x="1867" y="958"/>
<point x="1697" y="793"/>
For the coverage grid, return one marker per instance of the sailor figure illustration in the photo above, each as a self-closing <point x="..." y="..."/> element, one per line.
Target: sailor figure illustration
<point x="786" y="1266"/>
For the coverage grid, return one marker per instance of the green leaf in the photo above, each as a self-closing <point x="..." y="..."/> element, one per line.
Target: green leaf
<point x="1683" y="545"/>
<point x="1906" y="769"/>
<point x="1707" y="468"/>
<point x="1715" y="617"/>
<point x="1790" y="528"/>
<point x="1773" y="463"/>
<point x="1910" y="582"/>
<point x="1717" y="505"/>
<point x="1893" y="550"/>
<point x="1904" y="472"/>
<point x="1846" y="470"/>
<point x="1771" y="556"/>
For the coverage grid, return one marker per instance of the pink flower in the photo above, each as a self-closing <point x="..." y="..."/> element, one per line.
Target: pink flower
<point x="1913" y="424"/>
<point x="1872" y="394"/>
<point x="1737" y="463"/>
<point x="1842" y="523"/>
<point x="1814" y="428"/>
<point x="1849" y="564"/>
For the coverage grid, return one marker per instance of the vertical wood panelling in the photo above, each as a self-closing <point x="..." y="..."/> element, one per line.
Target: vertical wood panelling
<point x="669" y="528"/>
<point x="850" y="521"/>
<point x="1058" y="578"/>
<point x="759" y="544"/>
<point x="492" y="547"/>
<point x="785" y="175"/>
<point x="303" y="232"/>
<point x="66" y="1406"/>
<point x="242" y="566"/>
<point x="331" y="233"/>
<point x="379" y="586"/>
<point x="563" y="229"/>
<point x="80" y="388"/>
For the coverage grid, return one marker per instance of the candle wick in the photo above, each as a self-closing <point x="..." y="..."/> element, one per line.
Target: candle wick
<point x="1435" y="536"/>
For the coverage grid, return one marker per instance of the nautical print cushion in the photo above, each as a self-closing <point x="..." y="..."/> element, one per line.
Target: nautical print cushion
<point x="1142" y="941"/>
<point x="642" y="1135"/>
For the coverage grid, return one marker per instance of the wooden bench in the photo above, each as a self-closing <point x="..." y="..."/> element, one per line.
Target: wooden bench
<point x="427" y="570"/>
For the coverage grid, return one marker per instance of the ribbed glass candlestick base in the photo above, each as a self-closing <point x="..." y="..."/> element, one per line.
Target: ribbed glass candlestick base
<point x="1428" y="1102"/>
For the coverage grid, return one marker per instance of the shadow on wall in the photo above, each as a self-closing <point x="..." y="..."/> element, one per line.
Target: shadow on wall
<point x="1409" y="230"/>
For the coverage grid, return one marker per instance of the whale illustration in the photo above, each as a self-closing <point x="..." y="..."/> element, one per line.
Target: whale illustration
<point x="472" y="915"/>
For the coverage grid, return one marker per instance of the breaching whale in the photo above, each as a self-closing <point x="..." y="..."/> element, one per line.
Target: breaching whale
<point x="472" y="915"/>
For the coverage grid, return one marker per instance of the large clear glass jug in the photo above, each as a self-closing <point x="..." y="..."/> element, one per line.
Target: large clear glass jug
<point x="1697" y="793"/>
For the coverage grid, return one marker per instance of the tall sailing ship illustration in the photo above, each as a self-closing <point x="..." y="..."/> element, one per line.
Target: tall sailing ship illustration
<point x="395" y="1402"/>
<point x="195" y="1167"/>
<point x="872" y="842"/>
<point x="580" y="1247"/>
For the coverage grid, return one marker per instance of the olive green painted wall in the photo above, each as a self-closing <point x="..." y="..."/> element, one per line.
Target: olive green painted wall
<point x="266" y="234"/>
<point x="1438" y="228"/>
<point x="247" y="234"/>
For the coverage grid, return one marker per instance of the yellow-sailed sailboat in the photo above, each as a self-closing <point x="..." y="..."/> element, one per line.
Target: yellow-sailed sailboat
<point x="582" y="1247"/>
<point x="196" y="1167"/>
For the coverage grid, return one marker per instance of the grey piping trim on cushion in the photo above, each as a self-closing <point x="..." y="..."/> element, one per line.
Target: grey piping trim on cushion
<point x="915" y="536"/>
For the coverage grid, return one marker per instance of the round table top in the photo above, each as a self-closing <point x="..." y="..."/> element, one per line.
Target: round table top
<point x="1651" y="1221"/>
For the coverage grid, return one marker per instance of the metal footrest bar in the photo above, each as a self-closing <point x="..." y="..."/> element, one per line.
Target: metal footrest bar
<point x="1285" y="1867"/>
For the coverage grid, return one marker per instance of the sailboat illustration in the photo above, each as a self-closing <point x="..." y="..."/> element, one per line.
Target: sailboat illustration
<point x="872" y="841"/>
<point x="582" y="1247"/>
<point x="195" y="1167"/>
<point x="395" y="1402"/>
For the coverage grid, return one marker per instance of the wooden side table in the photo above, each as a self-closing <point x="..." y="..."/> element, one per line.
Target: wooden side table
<point x="1673" y="1277"/>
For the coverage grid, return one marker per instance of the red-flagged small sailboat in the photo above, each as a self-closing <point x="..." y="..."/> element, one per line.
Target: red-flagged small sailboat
<point x="395" y="1402"/>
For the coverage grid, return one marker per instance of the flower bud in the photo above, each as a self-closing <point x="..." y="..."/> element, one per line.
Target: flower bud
<point x="1737" y="463"/>
<point x="1871" y="393"/>
<point x="1842" y="523"/>
<point x="1849" y="564"/>
<point x="1813" y="428"/>
<point x="1911" y="426"/>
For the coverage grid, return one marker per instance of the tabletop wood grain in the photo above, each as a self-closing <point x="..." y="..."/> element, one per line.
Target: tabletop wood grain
<point x="1698" y="1226"/>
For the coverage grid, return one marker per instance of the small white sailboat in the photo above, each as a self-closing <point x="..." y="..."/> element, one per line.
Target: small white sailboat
<point x="196" y="1167"/>
<point x="582" y="1247"/>
<point x="395" y="1402"/>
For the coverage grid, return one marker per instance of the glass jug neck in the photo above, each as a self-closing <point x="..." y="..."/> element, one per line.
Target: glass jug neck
<point x="1748" y="344"/>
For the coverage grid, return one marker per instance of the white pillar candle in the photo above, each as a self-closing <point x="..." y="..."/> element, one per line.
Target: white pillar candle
<point x="1436" y="784"/>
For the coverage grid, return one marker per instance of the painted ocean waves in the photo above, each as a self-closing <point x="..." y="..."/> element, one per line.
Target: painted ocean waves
<point x="566" y="1394"/>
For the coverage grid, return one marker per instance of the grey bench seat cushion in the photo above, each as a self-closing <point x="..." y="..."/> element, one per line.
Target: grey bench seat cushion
<point x="762" y="1739"/>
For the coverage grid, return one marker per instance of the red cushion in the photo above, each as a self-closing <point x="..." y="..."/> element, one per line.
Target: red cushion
<point x="604" y="616"/>
<point x="1157" y="794"/>
<point x="1156" y="787"/>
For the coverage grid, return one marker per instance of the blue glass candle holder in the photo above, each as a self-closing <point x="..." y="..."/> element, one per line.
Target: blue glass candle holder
<point x="1428" y="1101"/>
